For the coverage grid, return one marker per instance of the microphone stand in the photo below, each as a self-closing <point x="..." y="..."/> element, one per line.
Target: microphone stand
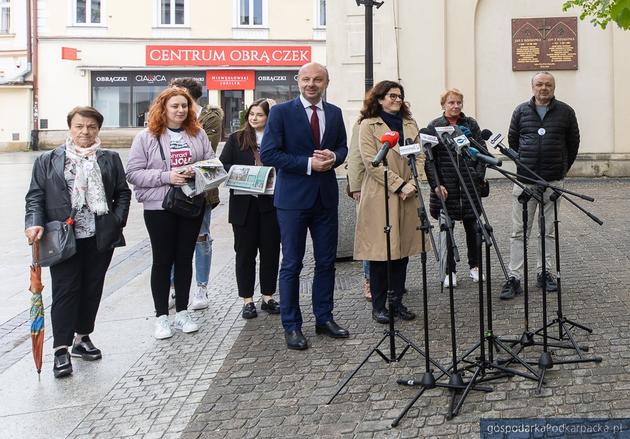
<point x="428" y="380"/>
<point x="546" y="361"/>
<point x="391" y="333"/>
<point x="483" y="364"/>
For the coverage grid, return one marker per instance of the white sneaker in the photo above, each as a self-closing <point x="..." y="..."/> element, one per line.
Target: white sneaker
<point x="199" y="299"/>
<point x="163" y="328"/>
<point x="184" y="322"/>
<point x="474" y="275"/>
<point x="171" y="298"/>
<point x="446" y="282"/>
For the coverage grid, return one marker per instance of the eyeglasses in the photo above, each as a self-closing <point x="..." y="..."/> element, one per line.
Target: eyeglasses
<point x="395" y="97"/>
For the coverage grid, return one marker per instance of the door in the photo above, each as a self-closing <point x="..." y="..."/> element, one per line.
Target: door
<point x="232" y="103"/>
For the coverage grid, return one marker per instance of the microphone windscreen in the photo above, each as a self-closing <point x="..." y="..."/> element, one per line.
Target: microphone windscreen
<point x="390" y="137"/>
<point x="486" y="134"/>
<point x="425" y="131"/>
<point x="408" y="141"/>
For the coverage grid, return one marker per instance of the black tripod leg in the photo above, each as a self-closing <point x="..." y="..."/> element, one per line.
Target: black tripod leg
<point x="516" y="358"/>
<point x="464" y="394"/>
<point x="408" y="407"/>
<point x="367" y="357"/>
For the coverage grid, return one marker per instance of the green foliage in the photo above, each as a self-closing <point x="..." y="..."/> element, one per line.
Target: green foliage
<point x="602" y="12"/>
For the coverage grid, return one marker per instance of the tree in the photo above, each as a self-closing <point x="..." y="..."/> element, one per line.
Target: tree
<point x="603" y="11"/>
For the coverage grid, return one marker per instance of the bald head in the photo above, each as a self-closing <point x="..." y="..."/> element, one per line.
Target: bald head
<point x="312" y="81"/>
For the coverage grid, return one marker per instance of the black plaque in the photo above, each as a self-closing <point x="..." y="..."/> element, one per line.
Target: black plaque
<point x="544" y="43"/>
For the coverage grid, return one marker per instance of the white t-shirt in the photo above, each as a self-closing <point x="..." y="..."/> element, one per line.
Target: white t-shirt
<point x="181" y="153"/>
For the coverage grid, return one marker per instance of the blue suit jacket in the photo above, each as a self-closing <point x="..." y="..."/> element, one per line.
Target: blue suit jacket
<point x="287" y="145"/>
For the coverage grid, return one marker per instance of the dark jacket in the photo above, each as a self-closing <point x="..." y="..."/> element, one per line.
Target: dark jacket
<point x="232" y="154"/>
<point x="48" y="198"/>
<point x="457" y="203"/>
<point x="551" y="154"/>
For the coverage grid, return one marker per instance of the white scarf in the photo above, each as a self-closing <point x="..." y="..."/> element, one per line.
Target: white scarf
<point x="88" y="189"/>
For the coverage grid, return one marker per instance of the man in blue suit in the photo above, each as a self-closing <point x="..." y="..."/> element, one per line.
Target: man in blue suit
<point x="305" y="139"/>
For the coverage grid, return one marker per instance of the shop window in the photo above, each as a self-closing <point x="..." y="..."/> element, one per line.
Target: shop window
<point x="172" y="12"/>
<point x="87" y="12"/>
<point x="251" y="13"/>
<point x="5" y="16"/>
<point x="320" y="14"/>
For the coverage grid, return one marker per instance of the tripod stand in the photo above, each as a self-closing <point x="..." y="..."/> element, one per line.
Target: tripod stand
<point x="391" y="334"/>
<point x="565" y="325"/>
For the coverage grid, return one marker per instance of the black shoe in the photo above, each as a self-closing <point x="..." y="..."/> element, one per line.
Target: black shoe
<point x="271" y="306"/>
<point x="511" y="289"/>
<point x="249" y="311"/>
<point x="86" y="350"/>
<point x="552" y="285"/>
<point x="332" y="329"/>
<point x="62" y="365"/>
<point x="381" y="317"/>
<point x="401" y="311"/>
<point x="295" y="340"/>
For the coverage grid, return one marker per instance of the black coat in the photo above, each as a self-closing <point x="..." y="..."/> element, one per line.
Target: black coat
<point x="48" y="198"/>
<point x="457" y="203"/>
<point x="232" y="154"/>
<point x="550" y="155"/>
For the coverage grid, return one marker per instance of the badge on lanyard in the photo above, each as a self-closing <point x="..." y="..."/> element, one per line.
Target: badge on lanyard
<point x="541" y="131"/>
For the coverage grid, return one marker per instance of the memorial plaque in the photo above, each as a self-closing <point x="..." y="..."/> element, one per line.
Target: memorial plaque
<point x="544" y="43"/>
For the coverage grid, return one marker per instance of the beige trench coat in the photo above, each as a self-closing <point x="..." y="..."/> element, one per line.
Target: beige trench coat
<point x="370" y="240"/>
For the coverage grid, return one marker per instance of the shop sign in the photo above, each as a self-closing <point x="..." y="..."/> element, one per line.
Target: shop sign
<point x="227" y="55"/>
<point x="276" y="77"/>
<point x="118" y="78"/>
<point x="230" y="80"/>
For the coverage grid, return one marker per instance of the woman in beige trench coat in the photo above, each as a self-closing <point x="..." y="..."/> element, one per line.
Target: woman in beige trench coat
<point x="384" y="109"/>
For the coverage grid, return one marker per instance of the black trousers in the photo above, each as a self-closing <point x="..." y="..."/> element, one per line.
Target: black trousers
<point x="378" y="281"/>
<point x="471" y="245"/>
<point x="173" y="240"/>
<point x="77" y="287"/>
<point x="259" y="234"/>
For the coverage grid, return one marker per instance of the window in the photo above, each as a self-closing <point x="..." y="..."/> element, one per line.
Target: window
<point x="87" y="12"/>
<point x="5" y="16"/>
<point x="320" y="7"/>
<point x="172" y="12"/>
<point x="252" y="12"/>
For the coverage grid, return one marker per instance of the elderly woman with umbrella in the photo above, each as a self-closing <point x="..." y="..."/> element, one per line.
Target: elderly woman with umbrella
<point x="79" y="180"/>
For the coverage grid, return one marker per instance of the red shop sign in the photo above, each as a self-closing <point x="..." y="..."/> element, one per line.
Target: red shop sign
<point x="227" y="55"/>
<point x="230" y="80"/>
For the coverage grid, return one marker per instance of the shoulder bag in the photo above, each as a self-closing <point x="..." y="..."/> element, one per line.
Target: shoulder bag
<point x="179" y="203"/>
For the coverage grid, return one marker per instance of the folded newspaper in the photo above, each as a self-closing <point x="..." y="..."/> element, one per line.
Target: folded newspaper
<point x="251" y="180"/>
<point x="209" y="174"/>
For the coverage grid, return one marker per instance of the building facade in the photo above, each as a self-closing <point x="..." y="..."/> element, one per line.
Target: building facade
<point x="118" y="55"/>
<point x="15" y="72"/>
<point x="433" y="45"/>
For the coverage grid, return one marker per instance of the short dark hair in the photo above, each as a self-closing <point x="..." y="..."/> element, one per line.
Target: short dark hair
<point x="192" y="85"/>
<point x="86" y="111"/>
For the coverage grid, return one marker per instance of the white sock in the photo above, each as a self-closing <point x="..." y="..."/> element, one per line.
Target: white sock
<point x="58" y="348"/>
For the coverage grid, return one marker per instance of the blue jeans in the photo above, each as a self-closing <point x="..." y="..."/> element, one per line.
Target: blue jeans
<point x="203" y="252"/>
<point x="366" y="270"/>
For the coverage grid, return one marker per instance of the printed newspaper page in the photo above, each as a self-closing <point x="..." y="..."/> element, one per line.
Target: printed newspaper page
<point x="209" y="174"/>
<point x="250" y="180"/>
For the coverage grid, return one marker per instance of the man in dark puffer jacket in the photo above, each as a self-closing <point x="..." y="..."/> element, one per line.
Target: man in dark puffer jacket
<point x="545" y="133"/>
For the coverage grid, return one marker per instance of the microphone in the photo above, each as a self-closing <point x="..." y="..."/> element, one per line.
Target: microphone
<point x="410" y="148"/>
<point x="389" y="140"/>
<point x="495" y="141"/>
<point x="474" y="154"/>
<point x="445" y="134"/>
<point x="472" y="140"/>
<point x="428" y="142"/>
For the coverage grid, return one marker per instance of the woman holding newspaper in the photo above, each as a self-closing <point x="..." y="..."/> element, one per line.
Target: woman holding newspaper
<point x="160" y="158"/>
<point x="252" y="215"/>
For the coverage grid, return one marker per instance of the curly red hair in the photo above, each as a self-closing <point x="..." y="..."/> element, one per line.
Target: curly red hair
<point x="157" y="112"/>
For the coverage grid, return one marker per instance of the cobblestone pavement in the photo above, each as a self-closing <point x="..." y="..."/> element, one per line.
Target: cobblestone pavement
<point x="263" y="390"/>
<point x="236" y="379"/>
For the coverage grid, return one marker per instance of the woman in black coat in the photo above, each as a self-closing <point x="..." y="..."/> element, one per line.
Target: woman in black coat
<point x="450" y="190"/>
<point x="253" y="217"/>
<point x="79" y="179"/>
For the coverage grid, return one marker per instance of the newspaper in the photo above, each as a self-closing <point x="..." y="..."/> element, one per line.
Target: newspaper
<point x="209" y="174"/>
<point x="251" y="180"/>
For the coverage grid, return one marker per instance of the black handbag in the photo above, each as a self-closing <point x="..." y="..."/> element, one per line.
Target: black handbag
<point x="57" y="243"/>
<point x="177" y="202"/>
